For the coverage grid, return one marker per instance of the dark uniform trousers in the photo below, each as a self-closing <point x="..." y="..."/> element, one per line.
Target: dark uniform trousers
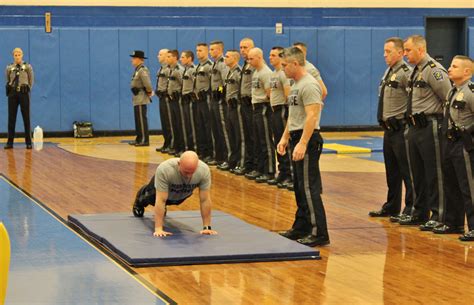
<point x="425" y="153"/>
<point x="310" y="217"/>
<point x="262" y="114"/>
<point x="459" y="184"/>
<point x="397" y="171"/>
<point x="218" y="119"/>
<point x="165" y="114"/>
<point x="202" y="125"/>
<point x="279" y="119"/>
<point x="185" y="123"/>
<point x="248" y="126"/>
<point x="141" y="124"/>
<point x="21" y="99"/>
<point x="235" y="131"/>
<point x="176" y="123"/>
<point x="188" y="118"/>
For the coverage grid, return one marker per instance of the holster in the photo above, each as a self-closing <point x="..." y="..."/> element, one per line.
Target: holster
<point x="135" y="91"/>
<point x="233" y="102"/>
<point x="216" y="95"/>
<point x="187" y="98"/>
<point x="8" y="90"/>
<point x="246" y="100"/>
<point x="202" y="95"/>
<point x="453" y="134"/>
<point x="418" y="120"/>
<point x="174" y="97"/>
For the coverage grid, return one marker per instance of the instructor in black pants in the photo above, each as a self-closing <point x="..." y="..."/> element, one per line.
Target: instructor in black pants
<point x="19" y="81"/>
<point x="306" y="144"/>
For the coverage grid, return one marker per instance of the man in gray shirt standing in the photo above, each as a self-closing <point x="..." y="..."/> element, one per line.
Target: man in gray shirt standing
<point x="306" y="144"/>
<point x="311" y="69"/>
<point x="428" y="88"/>
<point x="391" y="116"/>
<point x="262" y="115"/>
<point x="162" y="94"/>
<point x="142" y="92"/>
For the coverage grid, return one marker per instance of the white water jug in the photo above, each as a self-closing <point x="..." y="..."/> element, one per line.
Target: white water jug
<point x="38" y="134"/>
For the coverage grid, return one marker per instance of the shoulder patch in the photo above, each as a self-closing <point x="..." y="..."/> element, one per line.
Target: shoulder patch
<point x="438" y="75"/>
<point x="432" y="64"/>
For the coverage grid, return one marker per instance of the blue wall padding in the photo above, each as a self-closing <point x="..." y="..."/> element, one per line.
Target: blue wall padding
<point x="270" y="40"/>
<point x="104" y="79"/>
<point x="471" y="42"/>
<point x="224" y="35"/>
<point x="74" y="64"/>
<point x="330" y="50"/>
<point x="310" y="37"/>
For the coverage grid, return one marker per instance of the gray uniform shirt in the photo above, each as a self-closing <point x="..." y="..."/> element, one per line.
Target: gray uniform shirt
<point x="162" y="78"/>
<point x="232" y="83"/>
<point x="218" y="74"/>
<point x="278" y="82"/>
<point x="202" y="80"/>
<point x="462" y="105"/>
<point x="261" y="82"/>
<point x="246" y="80"/>
<point x="429" y="98"/>
<point x="304" y="92"/>
<point x="169" y="179"/>
<point x="188" y="79"/>
<point x="141" y="80"/>
<point x="175" y="79"/>
<point x="25" y="77"/>
<point x="395" y="94"/>
<point x="311" y="69"/>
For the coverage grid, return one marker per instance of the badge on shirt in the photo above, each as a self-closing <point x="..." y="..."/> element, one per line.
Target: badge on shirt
<point x="394" y="77"/>
<point x="438" y="75"/>
<point x="460" y="97"/>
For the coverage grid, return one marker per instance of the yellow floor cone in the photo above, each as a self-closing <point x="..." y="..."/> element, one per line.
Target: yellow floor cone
<point x="4" y="262"/>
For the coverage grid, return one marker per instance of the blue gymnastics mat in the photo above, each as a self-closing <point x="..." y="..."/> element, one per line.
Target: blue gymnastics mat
<point x="131" y="239"/>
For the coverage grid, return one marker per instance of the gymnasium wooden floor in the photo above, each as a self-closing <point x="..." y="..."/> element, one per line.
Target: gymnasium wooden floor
<point x="369" y="261"/>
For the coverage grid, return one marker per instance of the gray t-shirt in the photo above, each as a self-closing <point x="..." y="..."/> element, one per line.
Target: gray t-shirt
<point x="169" y="179"/>
<point x="304" y="92"/>
<point x="395" y="95"/>
<point x="260" y="83"/>
<point x="311" y="69"/>
<point x="278" y="82"/>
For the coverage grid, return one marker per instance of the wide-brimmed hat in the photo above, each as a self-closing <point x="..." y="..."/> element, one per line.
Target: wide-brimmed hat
<point x="139" y="54"/>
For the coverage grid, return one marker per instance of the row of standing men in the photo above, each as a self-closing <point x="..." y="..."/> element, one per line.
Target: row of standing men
<point x="231" y="115"/>
<point x="427" y="114"/>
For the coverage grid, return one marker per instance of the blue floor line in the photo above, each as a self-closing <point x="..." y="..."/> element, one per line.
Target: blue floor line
<point x="50" y="264"/>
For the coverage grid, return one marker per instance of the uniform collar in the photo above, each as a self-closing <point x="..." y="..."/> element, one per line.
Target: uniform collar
<point x="189" y="66"/>
<point x="397" y="64"/>
<point x="465" y="84"/>
<point x="202" y="62"/>
<point x="423" y="62"/>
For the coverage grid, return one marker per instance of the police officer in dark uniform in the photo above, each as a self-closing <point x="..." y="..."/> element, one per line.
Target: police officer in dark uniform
<point x="391" y="116"/>
<point x="246" y="110"/>
<point x="161" y="93"/>
<point x="459" y="155"/>
<point x="218" y="106"/>
<point x="234" y="118"/>
<point x="202" y="103"/>
<point x="142" y="92"/>
<point x="175" y="83"/>
<point x="19" y="78"/>
<point x="428" y="87"/>
<point x="187" y="118"/>
<point x="306" y="144"/>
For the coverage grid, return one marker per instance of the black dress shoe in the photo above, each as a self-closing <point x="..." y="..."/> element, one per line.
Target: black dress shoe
<point x="445" y="229"/>
<point x="142" y="144"/>
<point x="397" y="218"/>
<point x="263" y="178"/>
<point x="380" y="213"/>
<point x="293" y="234"/>
<point x="312" y="240"/>
<point x="224" y="166"/>
<point x="178" y="153"/>
<point x="239" y="171"/>
<point x="281" y="185"/>
<point x="430" y="225"/>
<point x="164" y="150"/>
<point x="212" y="162"/>
<point x="160" y="149"/>
<point x="252" y="175"/>
<point x="171" y="151"/>
<point x="8" y="146"/>
<point x="289" y="186"/>
<point x="469" y="236"/>
<point x="411" y="221"/>
<point x="206" y="159"/>
<point x="28" y="146"/>
<point x="132" y="142"/>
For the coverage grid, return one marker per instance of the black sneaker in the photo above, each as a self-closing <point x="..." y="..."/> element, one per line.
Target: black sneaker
<point x="312" y="240"/>
<point x="292" y="234"/>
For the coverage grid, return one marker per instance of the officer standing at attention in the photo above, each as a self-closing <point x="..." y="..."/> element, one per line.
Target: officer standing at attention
<point x="175" y="83"/>
<point x="218" y="106"/>
<point x="428" y="88"/>
<point x="161" y="93"/>
<point x="142" y="91"/>
<point x="201" y="104"/>
<point x="459" y="154"/>
<point x="306" y="144"/>
<point x="262" y="113"/>
<point x="279" y="91"/>
<point x="187" y="58"/>
<point x="311" y="68"/>
<point x="246" y="110"/>
<point x="391" y="116"/>
<point x="19" y="81"/>
<point x="234" y="119"/>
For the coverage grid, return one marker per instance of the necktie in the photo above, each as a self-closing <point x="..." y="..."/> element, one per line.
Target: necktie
<point x="447" y="114"/>
<point x="16" y="81"/>
<point x="410" y="94"/>
<point x="382" y="89"/>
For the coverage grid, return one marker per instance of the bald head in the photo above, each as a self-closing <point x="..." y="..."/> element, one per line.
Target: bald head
<point x="255" y="58"/>
<point x="162" y="54"/>
<point x="188" y="163"/>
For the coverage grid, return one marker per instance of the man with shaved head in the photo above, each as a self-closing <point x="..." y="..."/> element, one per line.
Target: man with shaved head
<point x="459" y="154"/>
<point x="174" y="182"/>
<point x="262" y="115"/>
<point x="428" y="86"/>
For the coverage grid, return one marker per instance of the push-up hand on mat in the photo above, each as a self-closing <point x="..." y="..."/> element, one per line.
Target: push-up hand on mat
<point x="174" y="181"/>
